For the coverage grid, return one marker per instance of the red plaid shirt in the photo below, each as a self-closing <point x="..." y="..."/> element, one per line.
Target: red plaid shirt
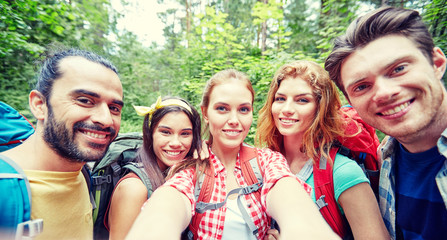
<point x="273" y="167"/>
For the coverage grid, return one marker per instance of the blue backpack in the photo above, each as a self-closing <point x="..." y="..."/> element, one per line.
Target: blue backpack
<point x="15" y="197"/>
<point x="15" y="203"/>
<point x="14" y="127"/>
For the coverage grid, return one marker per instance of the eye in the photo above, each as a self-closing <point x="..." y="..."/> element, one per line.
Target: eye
<point x="398" y="69"/>
<point x="279" y="99"/>
<point x="115" y="110"/>
<point x="186" y="133"/>
<point x="221" y="109"/>
<point x="245" y="109"/>
<point x="302" y="100"/>
<point x="164" y="131"/>
<point x="85" y="101"/>
<point x="361" y="87"/>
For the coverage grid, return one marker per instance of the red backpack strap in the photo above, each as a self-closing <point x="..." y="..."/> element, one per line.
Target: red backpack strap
<point x="362" y="143"/>
<point x="202" y="193"/>
<point x="324" y="193"/>
<point x="250" y="164"/>
<point x="250" y="168"/>
<point x="205" y="184"/>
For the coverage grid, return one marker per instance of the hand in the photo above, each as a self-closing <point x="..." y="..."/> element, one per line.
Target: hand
<point x="272" y="234"/>
<point x="204" y="154"/>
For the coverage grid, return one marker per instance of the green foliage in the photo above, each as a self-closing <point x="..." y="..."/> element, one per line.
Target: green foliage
<point x="223" y="34"/>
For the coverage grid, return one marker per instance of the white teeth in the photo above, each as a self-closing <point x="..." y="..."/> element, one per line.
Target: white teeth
<point x="396" y="109"/>
<point x="288" y="120"/>
<point x="173" y="153"/>
<point x="95" y="135"/>
<point x="231" y="132"/>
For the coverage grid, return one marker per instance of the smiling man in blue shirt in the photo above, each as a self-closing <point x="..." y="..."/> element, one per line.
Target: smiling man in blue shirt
<point x="391" y="72"/>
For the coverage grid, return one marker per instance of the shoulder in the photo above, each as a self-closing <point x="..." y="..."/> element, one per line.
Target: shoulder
<point x="347" y="167"/>
<point x="347" y="173"/>
<point x="130" y="188"/>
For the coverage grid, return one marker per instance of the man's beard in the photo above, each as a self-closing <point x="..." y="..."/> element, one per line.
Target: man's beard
<point x="63" y="142"/>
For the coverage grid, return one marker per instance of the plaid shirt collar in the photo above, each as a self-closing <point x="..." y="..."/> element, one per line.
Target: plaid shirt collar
<point x="387" y="186"/>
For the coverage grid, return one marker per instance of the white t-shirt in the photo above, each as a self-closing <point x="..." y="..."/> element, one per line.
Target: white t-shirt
<point x="235" y="226"/>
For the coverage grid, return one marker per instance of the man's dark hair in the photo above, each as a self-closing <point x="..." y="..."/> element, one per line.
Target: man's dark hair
<point x="378" y="23"/>
<point x="50" y="70"/>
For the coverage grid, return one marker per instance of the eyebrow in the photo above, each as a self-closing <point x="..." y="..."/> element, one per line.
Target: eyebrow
<point x="387" y="66"/>
<point x="297" y="95"/>
<point x="163" y="126"/>
<point x="95" y="95"/>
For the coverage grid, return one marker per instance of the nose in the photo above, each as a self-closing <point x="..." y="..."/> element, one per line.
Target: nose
<point x="287" y="108"/>
<point x="102" y="115"/>
<point x="233" y="119"/>
<point x="175" y="141"/>
<point x="384" y="91"/>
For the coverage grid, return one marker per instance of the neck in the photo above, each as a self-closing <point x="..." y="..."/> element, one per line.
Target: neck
<point x="227" y="156"/>
<point x="293" y="154"/>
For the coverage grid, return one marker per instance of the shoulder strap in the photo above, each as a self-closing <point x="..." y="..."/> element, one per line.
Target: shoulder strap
<point x="142" y="175"/>
<point x="88" y="178"/>
<point x="204" y="180"/>
<point x="15" y="221"/>
<point x="204" y="187"/>
<point x="324" y="193"/>
<point x="250" y="165"/>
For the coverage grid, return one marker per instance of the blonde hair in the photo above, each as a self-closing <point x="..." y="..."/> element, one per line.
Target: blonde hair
<point x="327" y="124"/>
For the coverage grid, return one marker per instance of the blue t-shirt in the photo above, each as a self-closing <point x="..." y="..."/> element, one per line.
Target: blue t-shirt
<point x="420" y="211"/>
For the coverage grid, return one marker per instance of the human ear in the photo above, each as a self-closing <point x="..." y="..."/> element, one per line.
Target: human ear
<point x="37" y="104"/>
<point x="439" y="62"/>
<point x="204" y="114"/>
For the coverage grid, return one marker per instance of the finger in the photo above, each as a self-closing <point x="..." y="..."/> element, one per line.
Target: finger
<point x="205" y="153"/>
<point x="275" y="234"/>
<point x="195" y="155"/>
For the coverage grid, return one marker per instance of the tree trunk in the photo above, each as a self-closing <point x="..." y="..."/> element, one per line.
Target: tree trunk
<point x="264" y="33"/>
<point x="188" y="21"/>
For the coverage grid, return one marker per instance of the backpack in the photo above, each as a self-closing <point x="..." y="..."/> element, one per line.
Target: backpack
<point x="204" y="188"/>
<point x="15" y="207"/>
<point x="14" y="127"/>
<point x="362" y="148"/>
<point x="117" y="162"/>
<point x="15" y="197"/>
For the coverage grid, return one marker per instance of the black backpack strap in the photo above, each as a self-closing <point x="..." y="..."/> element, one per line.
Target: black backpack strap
<point x="142" y="175"/>
<point x="88" y="178"/>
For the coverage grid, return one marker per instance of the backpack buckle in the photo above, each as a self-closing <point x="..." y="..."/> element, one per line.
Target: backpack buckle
<point x="201" y="207"/>
<point x="29" y="229"/>
<point x="98" y="180"/>
<point x="252" y="188"/>
<point x="320" y="202"/>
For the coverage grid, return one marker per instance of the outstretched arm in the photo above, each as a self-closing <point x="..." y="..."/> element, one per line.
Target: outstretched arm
<point x="295" y="212"/>
<point x="166" y="214"/>
<point x="127" y="199"/>
<point x="361" y="210"/>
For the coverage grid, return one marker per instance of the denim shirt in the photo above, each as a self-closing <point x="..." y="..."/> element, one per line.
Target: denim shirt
<point x="387" y="194"/>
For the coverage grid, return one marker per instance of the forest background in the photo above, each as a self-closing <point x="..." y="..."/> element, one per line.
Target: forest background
<point x="201" y="38"/>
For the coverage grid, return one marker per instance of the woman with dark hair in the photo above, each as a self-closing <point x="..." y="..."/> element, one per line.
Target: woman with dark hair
<point x="171" y="133"/>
